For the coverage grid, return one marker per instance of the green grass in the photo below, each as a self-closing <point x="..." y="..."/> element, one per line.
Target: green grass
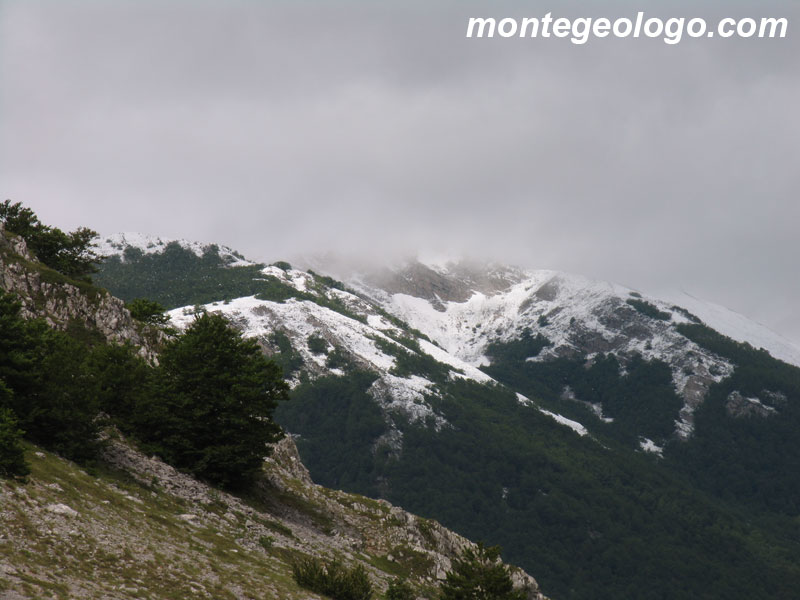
<point x="129" y="536"/>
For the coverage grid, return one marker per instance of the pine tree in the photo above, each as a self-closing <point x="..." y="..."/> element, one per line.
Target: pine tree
<point x="46" y="372"/>
<point x="61" y="410"/>
<point x="212" y="413"/>
<point x="119" y="380"/>
<point x="17" y="345"/>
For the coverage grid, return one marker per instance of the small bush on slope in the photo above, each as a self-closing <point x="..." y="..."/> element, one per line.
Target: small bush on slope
<point x="479" y="575"/>
<point x="333" y="579"/>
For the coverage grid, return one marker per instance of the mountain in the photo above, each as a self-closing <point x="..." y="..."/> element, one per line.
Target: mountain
<point x="737" y="326"/>
<point x="612" y="442"/>
<point x="124" y="524"/>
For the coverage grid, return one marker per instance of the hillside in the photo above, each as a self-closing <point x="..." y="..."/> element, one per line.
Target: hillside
<point x="138" y="528"/>
<point x="611" y="442"/>
<point x="120" y="524"/>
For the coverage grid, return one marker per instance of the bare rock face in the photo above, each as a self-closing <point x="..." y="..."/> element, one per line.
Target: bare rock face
<point x="738" y="406"/>
<point x="62" y="509"/>
<point x="458" y="285"/>
<point x="285" y="456"/>
<point x="45" y="294"/>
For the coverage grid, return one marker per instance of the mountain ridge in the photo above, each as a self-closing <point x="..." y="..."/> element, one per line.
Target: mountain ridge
<point x="531" y="411"/>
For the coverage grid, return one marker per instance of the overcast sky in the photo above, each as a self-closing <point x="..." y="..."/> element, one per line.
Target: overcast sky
<point x="281" y="128"/>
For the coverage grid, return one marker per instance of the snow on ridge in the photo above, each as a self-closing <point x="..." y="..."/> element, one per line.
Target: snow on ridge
<point x="300" y="319"/>
<point x="548" y="302"/>
<point x="737" y="326"/>
<point x="115" y="244"/>
<point x="465" y="328"/>
<point x="469" y="371"/>
<point x="574" y="313"/>
<point x="440" y="263"/>
<point x="561" y="419"/>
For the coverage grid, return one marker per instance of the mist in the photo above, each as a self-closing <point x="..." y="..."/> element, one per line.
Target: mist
<point x="285" y="129"/>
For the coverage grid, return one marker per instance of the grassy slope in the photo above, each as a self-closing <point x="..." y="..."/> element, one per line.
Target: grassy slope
<point x="127" y="541"/>
<point x="132" y="538"/>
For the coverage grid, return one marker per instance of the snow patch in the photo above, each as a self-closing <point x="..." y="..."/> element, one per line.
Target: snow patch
<point x="649" y="445"/>
<point x="574" y="425"/>
<point x="299" y="319"/>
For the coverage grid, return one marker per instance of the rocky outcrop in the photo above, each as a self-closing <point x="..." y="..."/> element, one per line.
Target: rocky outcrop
<point x="287" y="515"/>
<point x="738" y="406"/>
<point x="46" y="294"/>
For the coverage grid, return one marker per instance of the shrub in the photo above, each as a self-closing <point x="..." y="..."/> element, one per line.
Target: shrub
<point x="649" y="310"/>
<point x="71" y="254"/>
<point x="266" y="541"/>
<point x="317" y="344"/>
<point x="333" y="579"/>
<point x="400" y="590"/>
<point x="479" y="575"/>
<point x="147" y="311"/>
<point x="339" y="359"/>
<point x="12" y="453"/>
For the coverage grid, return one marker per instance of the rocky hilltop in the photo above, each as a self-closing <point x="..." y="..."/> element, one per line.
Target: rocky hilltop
<point x="60" y="301"/>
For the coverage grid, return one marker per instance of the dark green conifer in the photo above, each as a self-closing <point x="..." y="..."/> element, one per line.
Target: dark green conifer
<point x="216" y="392"/>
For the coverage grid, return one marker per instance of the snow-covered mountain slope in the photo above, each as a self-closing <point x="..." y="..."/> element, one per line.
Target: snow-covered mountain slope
<point x="116" y="244"/>
<point x="452" y="314"/>
<point x="737" y="326"/>
<point x="465" y="308"/>
<point x="355" y="333"/>
<point x="579" y="317"/>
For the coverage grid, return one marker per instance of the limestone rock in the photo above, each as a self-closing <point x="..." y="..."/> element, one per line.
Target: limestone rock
<point x="62" y="509"/>
<point x="45" y="294"/>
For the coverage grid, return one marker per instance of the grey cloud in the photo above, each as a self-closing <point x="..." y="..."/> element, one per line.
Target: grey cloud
<point x="283" y="128"/>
